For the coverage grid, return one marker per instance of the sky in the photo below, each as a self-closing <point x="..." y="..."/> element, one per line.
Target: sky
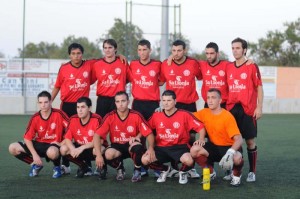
<point x="201" y="21"/>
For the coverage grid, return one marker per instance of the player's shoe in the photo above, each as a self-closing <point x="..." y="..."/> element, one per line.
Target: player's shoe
<point x="163" y="175"/>
<point x="236" y="180"/>
<point x="56" y="172"/>
<point x="120" y="174"/>
<point x="136" y="176"/>
<point x="144" y="172"/>
<point x="157" y="173"/>
<point x="34" y="170"/>
<point x="193" y="173"/>
<point x="173" y="173"/>
<point x="251" y="177"/>
<point x="228" y="175"/>
<point x="81" y="172"/>
<point x="88" y="172"/>
<point x="65" y="170"/>
<point x="183" y="177"/>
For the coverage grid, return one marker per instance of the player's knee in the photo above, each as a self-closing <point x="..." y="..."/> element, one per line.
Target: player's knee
<point x="13" y="148"/>
<point x="250" y="143"/>
<point x="145" y="159"/>
<point x="237" y="158"/>
<point x="110" y="154"/>
<point x="64" y="150"/>
<point x="53" y="153"/>
<point x="187" y="159"/>
<point x="195" y="151"/>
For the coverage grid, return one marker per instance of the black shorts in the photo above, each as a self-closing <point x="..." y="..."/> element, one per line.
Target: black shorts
<point x="123" y="148"/>
<point x="223" y="105"/>
<point x="40" y="147"/>
<point x="170" y="153"/>
<point x="216" y="152"/>
<point x="70" y="108"/>
<point x="146" y="108"/>
<point x="105" y="105"/>
<point x="246" y="123"/>
<point x="188" y="107"/>
<point x="86" y="154"/>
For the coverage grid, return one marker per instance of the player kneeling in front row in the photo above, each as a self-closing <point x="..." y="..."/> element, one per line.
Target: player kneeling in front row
<point x="224" y="139"/>
<point x="125" y="128"/>
<point x="78" y="144"/>
<point x="170" y="144"/>
<point x="42" y="137"/>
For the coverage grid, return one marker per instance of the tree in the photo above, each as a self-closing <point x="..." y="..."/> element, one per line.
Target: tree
<point x="40" y="50"/>
<point x="202" y="56"/>
<point x="127" y="37"/>
<point x="279" y="48"/>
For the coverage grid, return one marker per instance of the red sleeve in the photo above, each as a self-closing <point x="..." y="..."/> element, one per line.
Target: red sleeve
<point x="197" y="70"/>
<point x="30" y="130"/>
<point x="194" y="123"/>
<point x="103" y="129"/>
<point x="201" y="76"/>
<point x="256" y="76"/>
<point x="162" y="77"/>
<point x="94" y="76"/>
<point x="144" y="129"/>
<point x="59" y="79"/>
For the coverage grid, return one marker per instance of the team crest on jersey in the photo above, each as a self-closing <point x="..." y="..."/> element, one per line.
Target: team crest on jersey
<point x="130" y="129"/>
<point x="71" y="76"/>
<point x="85" y="74"/>
<point x="171" y="72"/>
<point x="152" y="73"/>
<point x="91" y="132"/>
<point x="138" y="71"/>
<point x="52" y="126"/>
<point x="186" y="73"/>
<point x="243" y="76"/>
<point x="176" y="125"/>
<point x="222" y="73"/>
<point x="118" y="71"/>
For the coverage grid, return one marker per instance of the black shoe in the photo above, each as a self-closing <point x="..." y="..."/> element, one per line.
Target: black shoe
<point x="80" y="172"/>
<point x="102" y="174"/>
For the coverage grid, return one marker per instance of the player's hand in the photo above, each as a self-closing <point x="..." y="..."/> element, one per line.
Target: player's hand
<point x="151" y="153"/>
<point x="123" y="59"/>
<point x="158" y="110"/>
<point x="226" y="162"/>
<point x="170" y="59"/>
<point x="37" y="160"/>
<point x="199" y="142"/>
<point x="257" y="113"/>
<point x="99" y="162"/>
<point x="76" y="152"/>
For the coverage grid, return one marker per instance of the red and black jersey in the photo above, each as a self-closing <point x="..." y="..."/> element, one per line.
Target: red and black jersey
<point x="82" y="133"/>
<point x="47" y="130"/>
<point x="120" y="131"/>
<point x="175" y="129"/>
<point x="111" y="77"/>
<point x="74" y="82"/>
<point x="144" y="80"/>
<point x="242" y="83"/>
<point x="214" y="77"/>
<point x="181" y="78"/>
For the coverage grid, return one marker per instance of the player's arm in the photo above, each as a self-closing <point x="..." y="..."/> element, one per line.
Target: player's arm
<point x="54" y="93"/>
<point x="97" y="142"/>
<point x="80" y="149"/>
<point x="150" y="150"/>
<point x="36" y="158"/>
<point x="170" y="59"/>
<point x="260" y="97"/>
<point x="201" y="140"/>
<point x="238" y="141"/>
<point x="123" y="59"/>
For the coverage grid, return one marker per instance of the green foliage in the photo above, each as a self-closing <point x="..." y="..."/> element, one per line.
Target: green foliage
<point x="53" y="51"/>
<point x="126" y="36"/>
<point x="202" y="56"/>
<point x="279" y="48"/>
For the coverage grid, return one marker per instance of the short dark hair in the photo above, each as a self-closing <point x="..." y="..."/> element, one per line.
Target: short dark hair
<point x="110" y="42"/>
<point x="179" y="43"/>
<point x="169" y="93"/>
<point x="242" y="41"/>
<point x="122" y="93"/>
<point x="44" y="94"/>
<point x="86" y="100"/>
<point x="215" y="90"/>
<point x="213" y="45"/>
<point x="75" y="46"/>
<point x="144" y="42"/>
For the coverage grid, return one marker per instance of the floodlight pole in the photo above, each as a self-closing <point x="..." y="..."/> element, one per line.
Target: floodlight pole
<point x="23" y="51"/>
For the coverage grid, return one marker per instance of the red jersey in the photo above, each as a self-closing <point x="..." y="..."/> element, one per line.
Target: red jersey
<point x="181" y="78"/>
<point x="144" y="80"/>
<point x="214" y="77"/>
<point x="122" y="130"/>
<point x="111" y="77"/>
<point x="242" y="83"/>
<point x="47" y="130"/>
<point x="83" y="134"/>
<point x="74" y="82"/>
<point x="175" y="129"/>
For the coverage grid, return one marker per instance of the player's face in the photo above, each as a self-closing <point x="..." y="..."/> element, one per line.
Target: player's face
<point x="237" y="50"/>
<point x="121" y="103"/>
<point x="76" y="56"/>
<point x="143" y="52"/>
<point x="213" y="100"/>
<point x="109" y="50"/>
<point x="82" y="110"/>
<point x="178" y="53"/>
<point x="168" y="103"/>
<point x="211" y="55"/>
<point x="44" y="104"/>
